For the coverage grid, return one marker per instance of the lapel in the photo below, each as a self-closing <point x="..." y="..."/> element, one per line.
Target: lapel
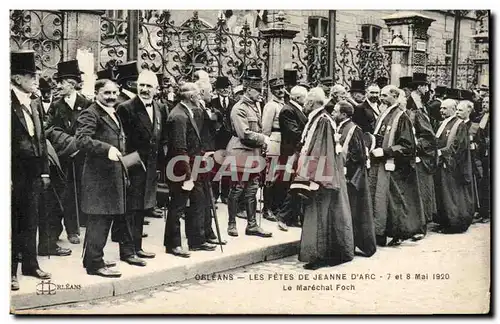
<point x="376" y="110"/>
<point x="16" y="105"/>
<point x="143" y="114"/>
<point x="108" y="120"/>
<point x="193" y="123"/>
<point x="156" y="119"/>
<point x="300" y="114"/>
<point x="79" y="103"/>
<point x="36" y="119"/>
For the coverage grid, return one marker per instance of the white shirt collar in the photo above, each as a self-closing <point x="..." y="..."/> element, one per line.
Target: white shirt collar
<point x="131" y="95"/>
<point x="146" y="102"/>
<point x="71" y="100"/>
<point x="24" y="98"/>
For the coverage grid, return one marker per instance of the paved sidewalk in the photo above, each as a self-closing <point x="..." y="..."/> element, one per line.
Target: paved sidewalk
<point x="70" y="282"/>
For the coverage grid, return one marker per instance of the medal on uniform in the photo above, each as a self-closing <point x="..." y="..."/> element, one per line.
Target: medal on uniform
<point x="78" y="108"/>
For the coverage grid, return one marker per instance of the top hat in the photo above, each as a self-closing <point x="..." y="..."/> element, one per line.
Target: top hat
<point x="419" y="79"/>
<point x="327" y="81"/>
<point x="466" y="95"/>
<point x="357" y="86"/>
<point x="69" y="70"/>
<point x="238" y="88"/>
<point x="127" y="71"/>
<point x="106" y="74"/>
<point x="382" y="82"/>
<point x="44" y="84"/>
<point x="22" y="62"/>
<point x="253" y="73"/>
<point x="290" y="77"/>
<point x="131" y="161"/>
<point x="222" y="82"/>
<point x="404" y="82"/>
<point x="440" y="91"/>
<point x="452" y="93"/>
<point x="276" y="83"/>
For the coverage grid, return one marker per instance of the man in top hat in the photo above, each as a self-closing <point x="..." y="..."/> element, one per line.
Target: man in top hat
<point x="100" y="137"/>
<point x="30" y="165"/>
<point x="184" y="146"/>
<point x="357" y="91"/>
<point x="141" y="118"/>
<point x="126" y="77"/>
<point x="63" y="115"/>
<point x="353" y="146"/>
<point x="223" y="104"/>
<point x="426" y="146"/>
<point x="367" y="113"/>
<point x="453" y="178"/>
<point x="382" y="82"/>
<point x="398" y="211"/>
<point x="271" y="127"/>
<point x="404" y="84"/>
<point x="247" y="142"/>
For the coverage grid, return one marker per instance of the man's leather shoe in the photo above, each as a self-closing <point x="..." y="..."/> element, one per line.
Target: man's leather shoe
<point x="231" y="230"/>
<point x="146" y="255"/>
<point x="417" y="237"/>
<point x="269" y="216"/>
<point x="109" y="264"/>
<point x="146" y="222"/>
<point x="216" y="241"/>
<point x="134" y="260"/>
<point x="395" y="242"/>
<point x="203" y="247"/>
<point x="57" y="251"/>
<point x="145" y="235"/>
<point x="105" y="272"/>
<point x="242" y="214"/>
<point x="282" y="226"/>
<point x="257" y="231"/>
<point x="37" y="273"/>
<point x="14" y="284"/>
<point x="178" y="251"/>
<point x="73" y="239"/>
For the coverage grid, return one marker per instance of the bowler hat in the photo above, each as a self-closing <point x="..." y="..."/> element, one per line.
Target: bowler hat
<point x="222" y="82"/>
<point x="466" y="95"/>
<point x="290" y="77"/>
<point x="106" y="74"/>
<point x="357" y="86"/>
<point x="419" y="79"/>
<point x="453" y="93"/>
<point x="276" y="83"/>
<point x="382" y="82"/>
<point x="69" y="70"/>
<point x="253" y="73"/>
<point x="131" y="161"/>
<point x="127" y="71"/>
<point x="22" y="62"/>
<point x="404" y="82"/>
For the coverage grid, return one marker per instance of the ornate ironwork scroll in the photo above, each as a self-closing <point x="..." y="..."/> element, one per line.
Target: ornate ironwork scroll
<point x="114" y="39"/>
<point x="179" y="50"/>
<point x="310" y="59"/>
<point x="440" y="74"/>
<point x="41" y="31"/>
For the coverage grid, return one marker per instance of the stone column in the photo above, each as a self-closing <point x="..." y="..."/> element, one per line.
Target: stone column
<point x="414" y="25"/>
<point x="280" y="36"/>
<point x="399" y="58"/>
<point x="81" y="31"/>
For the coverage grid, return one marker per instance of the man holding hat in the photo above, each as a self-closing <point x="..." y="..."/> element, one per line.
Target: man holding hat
<point x="366" y="114"/>
<point x="126" y="77"/>
<point x="271" y="127"/>
<point x="223" y="104"/>
<point x="63" y="115"/>
<point x="426" y="146"/>
<point x="30" y="165"/>
<point x="247" y="142"/>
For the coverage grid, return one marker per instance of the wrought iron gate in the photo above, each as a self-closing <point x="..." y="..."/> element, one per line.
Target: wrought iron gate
<point x="440" y="74"/>
<point x="41" y="31"/>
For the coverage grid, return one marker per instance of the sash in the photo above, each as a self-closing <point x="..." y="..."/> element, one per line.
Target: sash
<point x="443" y="126"/>
<point x="348" y="138"/>
<point x="484" y="120"/>
<point x="389" y="164"/>
<point x="382" y="117"/>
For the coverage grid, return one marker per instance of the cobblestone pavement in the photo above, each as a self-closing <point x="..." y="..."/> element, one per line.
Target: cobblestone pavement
<point x="440" y="274"/>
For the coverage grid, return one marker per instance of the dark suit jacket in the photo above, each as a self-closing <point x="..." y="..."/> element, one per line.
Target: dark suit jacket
<point x="103" y="182"/>
<point x="145" y="138"/>
<point x="27" y="152"/>
<point x="224" y="134"/>
<point x="365" y="117"/>
<point x="184" y="138"/>
<point x="63" y="117"/>
<point x="292" y="122"/>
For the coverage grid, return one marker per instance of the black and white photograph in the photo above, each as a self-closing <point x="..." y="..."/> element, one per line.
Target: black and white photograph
<point x="258" y="162"/>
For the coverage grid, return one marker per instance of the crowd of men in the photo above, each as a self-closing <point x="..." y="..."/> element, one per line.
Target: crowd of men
<point x="399" y="159"/>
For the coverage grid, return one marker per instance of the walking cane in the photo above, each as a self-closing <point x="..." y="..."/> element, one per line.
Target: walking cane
<point x="214" y="211"/>
<point x="76" y="192"/>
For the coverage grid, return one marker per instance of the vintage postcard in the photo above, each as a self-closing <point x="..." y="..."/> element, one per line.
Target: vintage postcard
<point x="250" y="161"/>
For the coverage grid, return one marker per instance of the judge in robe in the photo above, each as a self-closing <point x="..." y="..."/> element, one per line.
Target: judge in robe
<point x="426" y="147"/>
<point x="327" y="233"/>
<point x="274" y="192"/>
<point x="397" y="207"/>
<point x="356" y="173"/>
<point x="484" y="154"/>
<point x="292" y="120"/>
<point x="453" y="178"/>
<point x="63" y="115"/>
<point x="365" y="115"/>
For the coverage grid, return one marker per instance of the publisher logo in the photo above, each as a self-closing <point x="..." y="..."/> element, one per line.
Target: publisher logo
<point x="46" y="288"/>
